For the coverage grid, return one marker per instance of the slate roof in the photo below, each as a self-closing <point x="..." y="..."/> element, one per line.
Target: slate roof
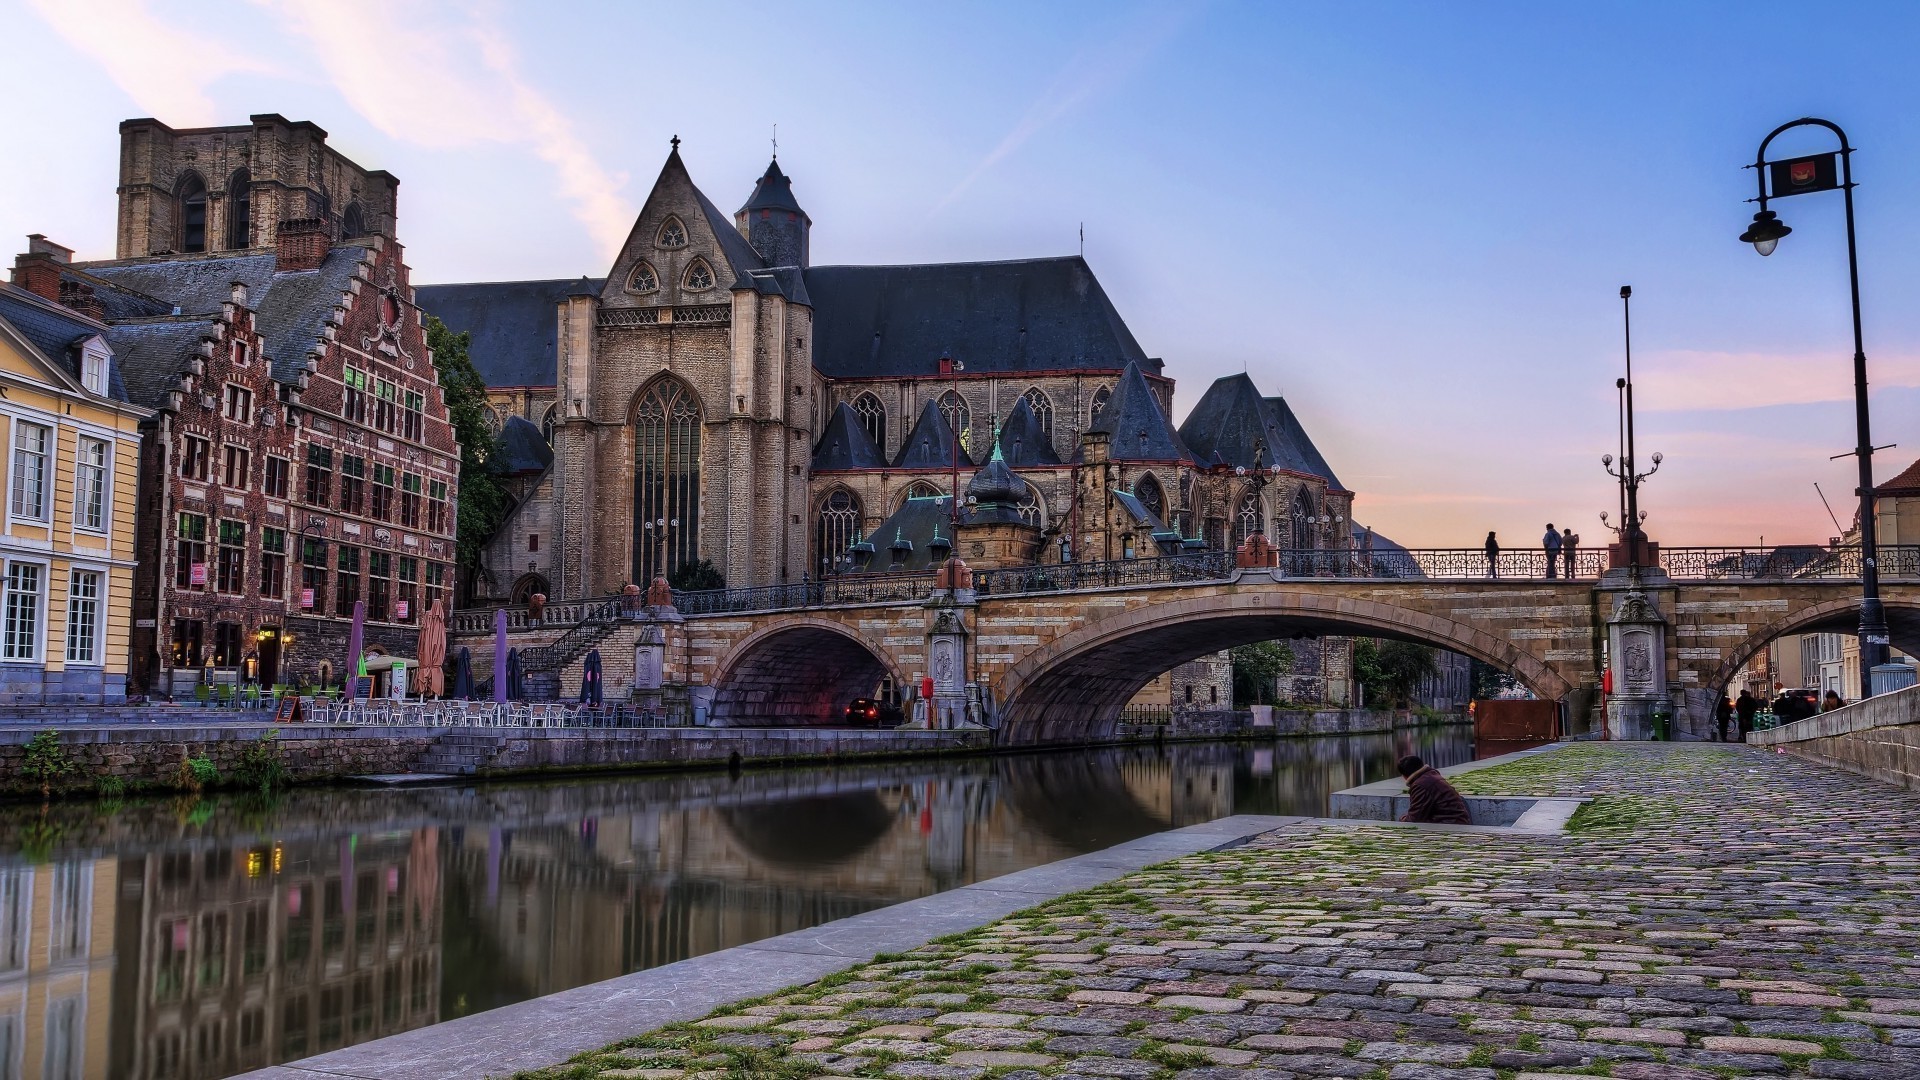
<point x="1024" y="315"/>
<point x="930" y="444"/>
<point x="58" y="333"/>
<point x="195" y="286"/>
<point x="1023" y="442"/>
<point x="739" y="254"/>
<point x="153" y="354"/>
<point x="915" y="521"/>
<point x="1907" y="483"/>
<point x="845" y="444"/>
<point x="514" y="325"/>
<point x="522" y="448"/>
<point x="773" y="191"/>
<point x="1140" y="430"/>
<point x="1233" y="425"/>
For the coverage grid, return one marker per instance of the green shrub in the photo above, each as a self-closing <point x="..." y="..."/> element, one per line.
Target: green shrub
<point x="46" y="762"/>
<point x="260" y="766"/>
<point x="204" y="772"/>
<point x="109" y="787"/>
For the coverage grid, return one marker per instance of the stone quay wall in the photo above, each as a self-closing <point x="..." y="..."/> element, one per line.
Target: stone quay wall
<point x="564" y="749"/>
<point x="151" y="757"/>
<point x="1877" y="738"/>
<point x="1287" y="723"/>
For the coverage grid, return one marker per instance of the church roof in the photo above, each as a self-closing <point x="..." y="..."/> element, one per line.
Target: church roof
<point x="515" y="325"/>
<point x="1023" y="441"/>
<point x="1023" y="315"/>
<point x="995" y="487"/>
<point x="1140" y="431"/>
<point x="930" y="445"/>
<point x="773" y="191"/>
<point x="523" y="449"/>
<point x="1302" y="445"/>
<point x="846" y="445"/>
<point x="916" y="522"/>
<point x="1233" y="425"/>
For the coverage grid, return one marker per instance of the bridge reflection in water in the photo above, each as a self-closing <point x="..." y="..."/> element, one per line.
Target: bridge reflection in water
<point x="191" y="942"/>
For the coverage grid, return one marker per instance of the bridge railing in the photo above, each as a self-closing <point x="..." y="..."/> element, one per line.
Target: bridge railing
<point x="1806" y="562"/>
<point x="850" y="589"/>
<point x="1071" y="577"/>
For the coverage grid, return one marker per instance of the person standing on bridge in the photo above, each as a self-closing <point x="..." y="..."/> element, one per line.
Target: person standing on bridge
<point x="1493" y="556"/>
<point x="1430" y="799"/>
<point x="1569" y="548"/>
<point x="1551" y="542"/>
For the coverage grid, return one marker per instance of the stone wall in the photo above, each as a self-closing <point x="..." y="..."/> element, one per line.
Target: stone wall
<point x="1878" y="738"/>
<point x="152" y="756"/>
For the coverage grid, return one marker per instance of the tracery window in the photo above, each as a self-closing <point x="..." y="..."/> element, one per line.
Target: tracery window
<point x="921" y="489"/>
<point x="546" y="424"/>
<point x="1031" y="510"/>
<point x="672" y="234"/>
<point x="958" y="416"/>
<point x="666" y="478"/>
<point x="1304" y="534"/>
<point x="1100" y="399"/>
<point x="240" y="209"/>
<point x="838" y="529"/>
<point x="643" y="279"/>
<point x="192" y="194"/>
<point x="699" y="276"/>
<point x="873" y="417"/>
<point x="1148" y="491"/>
<point x="1042" y="407"/>
<point x="1246" y="519"/>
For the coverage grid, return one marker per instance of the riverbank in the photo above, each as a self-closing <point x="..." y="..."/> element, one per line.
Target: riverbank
<point x="1714" y="910"/>
<point x="114" y="759"/>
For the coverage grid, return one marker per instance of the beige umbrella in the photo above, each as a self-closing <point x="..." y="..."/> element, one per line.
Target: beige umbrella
<point x="433" y="651"/>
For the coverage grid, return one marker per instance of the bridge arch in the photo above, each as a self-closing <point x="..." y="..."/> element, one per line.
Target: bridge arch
<point x="1827" y="617"/>
<point x="1075" y="687"/>
<point x="797" y="672"/>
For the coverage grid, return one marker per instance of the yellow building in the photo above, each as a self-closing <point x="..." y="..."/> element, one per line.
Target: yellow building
<point x="72" y="474"/>
<point x="56" y="969"/>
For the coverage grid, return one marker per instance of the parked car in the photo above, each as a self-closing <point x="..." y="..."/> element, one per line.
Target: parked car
<point x="870" y="712"/>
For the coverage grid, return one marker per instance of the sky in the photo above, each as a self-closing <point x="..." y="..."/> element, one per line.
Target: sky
<point x="1411" y="219"/>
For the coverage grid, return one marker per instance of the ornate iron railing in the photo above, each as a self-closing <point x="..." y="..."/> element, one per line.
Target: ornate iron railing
<point x="1806" y="562"/>
<point x="1071" y="577"/>
<point x="581" y="636"/>
<point x="849" y="589"/>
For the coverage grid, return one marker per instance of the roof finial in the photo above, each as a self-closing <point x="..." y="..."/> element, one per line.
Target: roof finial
<point x="776" y="142"/>
<point x="676" y="144"/>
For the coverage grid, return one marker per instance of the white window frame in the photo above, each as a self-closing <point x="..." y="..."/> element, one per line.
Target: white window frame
<point x="38" y="645"/>
<point x="244" y="396"/>
<point x="94" y="357"/>
<point x="95" y="640"/>
<point x="80" y="524"/>
<point x="49" y="452"/>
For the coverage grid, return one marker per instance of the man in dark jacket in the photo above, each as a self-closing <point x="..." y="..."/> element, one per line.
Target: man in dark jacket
<point x="1743" y="711"/>
<point x="1551" y="542"/>
<point x="1429" y="797"/>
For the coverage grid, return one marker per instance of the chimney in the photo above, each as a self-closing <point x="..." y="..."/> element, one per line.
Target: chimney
<point x="78" y="296"/>
<point x="301" y="244"/>
<point x="39" y="274"/>
<point x="38" y="244"/>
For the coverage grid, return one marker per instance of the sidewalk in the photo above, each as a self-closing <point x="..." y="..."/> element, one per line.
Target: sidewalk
<point x="1717" y="911"/>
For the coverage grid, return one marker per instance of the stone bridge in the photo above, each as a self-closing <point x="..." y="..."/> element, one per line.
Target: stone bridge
<point x="1057" y="666"/>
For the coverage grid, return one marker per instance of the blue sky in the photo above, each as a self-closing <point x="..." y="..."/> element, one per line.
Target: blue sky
<point x="1412" y="219"/>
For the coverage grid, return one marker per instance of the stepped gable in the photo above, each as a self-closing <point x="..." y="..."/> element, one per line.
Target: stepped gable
<point x="1021" y="315"/>
<point x="1023" y="442"/>
<point x="1138" y="429"/>
<point x="931" y="443"/>
<point x="846" y="445"/>
<point x="513" y="326"/>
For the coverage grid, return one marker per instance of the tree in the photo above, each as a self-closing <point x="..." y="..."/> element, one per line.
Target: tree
<point x="1489" y="681"/>
<point x="484" y="502"/>
<point x="696" y="576"/>
<point x="1255" y="667"/>
<point x="1390" y="671"/>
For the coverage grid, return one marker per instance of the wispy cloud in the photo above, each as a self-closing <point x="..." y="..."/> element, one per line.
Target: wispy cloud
<point x="1692" y="380"/>
<point x="461" y="84"/>
<point x="1091" y="71"/>
<point x="166" y="70"/>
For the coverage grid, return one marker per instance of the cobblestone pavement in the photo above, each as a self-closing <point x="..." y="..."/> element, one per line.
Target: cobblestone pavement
<point x="1717" y="911"/>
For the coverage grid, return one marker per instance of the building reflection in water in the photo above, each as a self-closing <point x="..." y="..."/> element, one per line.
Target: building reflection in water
<point x="192" y="952"/>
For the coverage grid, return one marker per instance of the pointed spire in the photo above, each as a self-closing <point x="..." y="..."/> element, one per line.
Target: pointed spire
<point x="1138" y="428"/>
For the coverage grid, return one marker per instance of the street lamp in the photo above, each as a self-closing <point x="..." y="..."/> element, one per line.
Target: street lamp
<point x="656" y="531"/>
<point x="1630" y="532"/>
<point x="1799" y="176"/>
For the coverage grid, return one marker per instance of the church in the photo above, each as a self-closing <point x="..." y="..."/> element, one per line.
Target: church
<point x="717" y="398"/>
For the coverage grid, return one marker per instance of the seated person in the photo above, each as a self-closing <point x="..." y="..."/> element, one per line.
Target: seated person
<point x="1430" y="798"/>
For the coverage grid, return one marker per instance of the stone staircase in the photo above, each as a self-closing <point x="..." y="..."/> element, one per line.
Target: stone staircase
<point x="460" y="753"/>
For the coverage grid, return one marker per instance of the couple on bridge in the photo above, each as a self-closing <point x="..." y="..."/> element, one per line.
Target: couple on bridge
<point x="1560" y="546"/>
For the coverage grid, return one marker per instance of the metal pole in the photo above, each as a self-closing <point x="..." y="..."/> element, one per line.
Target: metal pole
<point x="1629" y="466"/>
<point x="1874" y="638"/>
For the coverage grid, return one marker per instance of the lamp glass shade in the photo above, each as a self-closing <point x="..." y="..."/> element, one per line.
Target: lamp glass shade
<point x="1765" y="247"/>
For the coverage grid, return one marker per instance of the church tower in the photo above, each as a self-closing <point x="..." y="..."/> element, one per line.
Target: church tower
<point x="773" y="222"/>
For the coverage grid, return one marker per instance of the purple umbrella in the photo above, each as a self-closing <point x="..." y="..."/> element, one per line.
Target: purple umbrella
<point x="500" y="656"/>
<point x="355" y="640"/>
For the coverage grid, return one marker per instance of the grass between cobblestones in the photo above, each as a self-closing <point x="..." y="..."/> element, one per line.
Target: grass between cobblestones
<point x="1718" y="911"/>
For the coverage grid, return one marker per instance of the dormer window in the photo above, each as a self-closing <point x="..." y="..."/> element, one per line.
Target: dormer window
<point x="93" y="366"/>
<point x="643" y="279"/>
<point x="672" y="234"/>
<point x="699" y="276"/>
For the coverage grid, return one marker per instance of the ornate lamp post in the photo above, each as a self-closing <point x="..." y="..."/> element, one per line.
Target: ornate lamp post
<point x="656" y="530"/>
<point x="1631" y="535"/>
<point x="1799" y="176"/>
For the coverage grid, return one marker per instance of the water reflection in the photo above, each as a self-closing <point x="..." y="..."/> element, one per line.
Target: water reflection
<point x="189" y="940"/>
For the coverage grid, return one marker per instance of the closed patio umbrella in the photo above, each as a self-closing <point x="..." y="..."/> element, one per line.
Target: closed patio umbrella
<point x="463" y="675"/>
<point x="515" y="691"/>
<point x="500" y="656"/>
<point x="356" y="641"/>
<point x="433" y="652"/>
<point x="590" y="679"/>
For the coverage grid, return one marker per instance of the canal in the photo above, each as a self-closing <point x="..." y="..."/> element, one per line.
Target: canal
<point x="189" y="939"/>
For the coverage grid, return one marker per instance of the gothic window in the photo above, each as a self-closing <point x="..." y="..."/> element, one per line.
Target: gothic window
<point x="1303" y="535"/>
<point x="240" y="209"/>
<point x="494" y="422"/>
<point x="959" y="417"/>
<point x="920" y="489"/>
<point x="699" y="276"/>
<point x="192" y="194"/>
<point x="1042" y="407"/>
<point x="838" y="529"/>
<point x="1100" y="397"/>
<point x="527" y="586"/>
<point x="1147" y="490"/>
<point x="1246" y="519"/>
<point x="546" y="424"/>
<point x="1032" y="511"/>
<point x="672" y="234"/>
<point x="873" y="417"/>
<point x="666" y="478"/>
<point x="354" y="221"/>
<point x="643" y="279"/>
<point x="1189" y="519"/>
